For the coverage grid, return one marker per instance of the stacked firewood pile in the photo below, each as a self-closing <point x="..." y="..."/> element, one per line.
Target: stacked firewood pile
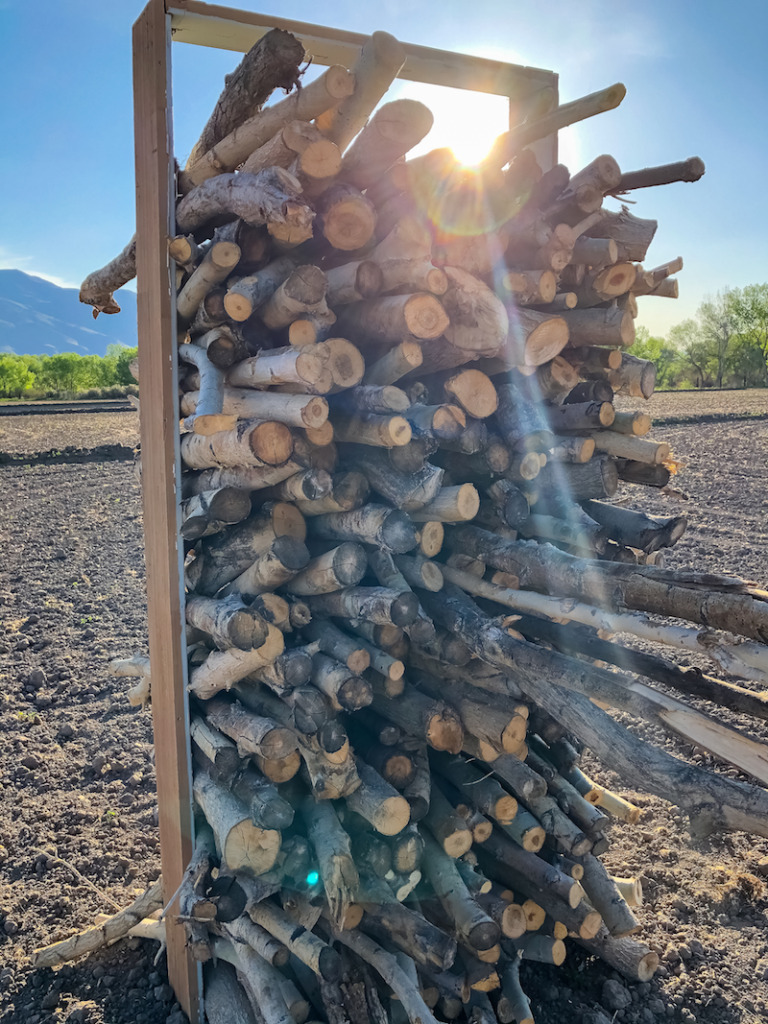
<point x="404" y="567"/>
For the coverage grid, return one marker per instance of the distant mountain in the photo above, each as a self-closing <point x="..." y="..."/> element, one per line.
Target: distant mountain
<point x="39" y="318"/>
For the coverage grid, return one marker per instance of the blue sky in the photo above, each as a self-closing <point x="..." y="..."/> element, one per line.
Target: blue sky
<point x="696" y="77"/>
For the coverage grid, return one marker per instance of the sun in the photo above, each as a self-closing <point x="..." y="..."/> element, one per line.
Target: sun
<point x="467" y="122"/>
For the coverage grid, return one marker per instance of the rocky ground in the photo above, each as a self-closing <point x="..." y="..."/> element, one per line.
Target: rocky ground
<point x="77" y="806"/>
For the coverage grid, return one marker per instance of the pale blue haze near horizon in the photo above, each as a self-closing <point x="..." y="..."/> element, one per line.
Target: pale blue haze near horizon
<point x="696" y="77"/>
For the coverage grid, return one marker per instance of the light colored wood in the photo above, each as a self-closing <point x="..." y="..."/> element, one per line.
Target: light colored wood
<point x="160" y="461"/>
<point x="231" y="29"/>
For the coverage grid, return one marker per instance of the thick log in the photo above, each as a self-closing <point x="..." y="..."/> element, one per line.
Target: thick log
<point x="341" y="686"/>
<point x="302" y="149"/>
<point x="448" y="827"/>
<point x="419" y="716"/>
<point x="380" y="59"/>
<point x="635" y="472"/>
<point x="226" y="555"/>
<point x="300" y="294"/>
<point x="478" y="319"/>
<point x="253" y="443"/>
<point x="370" y="524"/>
<point x="371" y="429"/>
<point x="451" y="505"/>
<point x="252" y="734"/>
<point x="210" y="512"/>
<point x="626" y="446"/>
<point x="225" y="999"/>
<point x="630" y="958"/>
<point x="271" y="569"/>
<point x="249" y="293"/>
<point x="395" y="318"/>
<point x="348" y="491"/>
<point x="339" y="645"/>
<point x="223" y="669"/>
<point x="229" y="623"/>
<point x="98" y="288"/>
<point x="374" y="604"/>
<point x="394" y="129"/>
<point x="272" y="63"/>
<point x="242" y="845"/>
<point x="379" y="802"/>
<point x="353" y="282"/>
<point x="605" y="897"/>
<point x="483" y="791"/>
<point x="271" y="197"/>
<point x="340" y="567"/>
<point x="636" y="529"/>
<point x="599" y="326"/>
<point x="347" y="219"/>
<point x="632" y="235"/>
<point x="513" y="1003"/>
<point x="304" y="104"/>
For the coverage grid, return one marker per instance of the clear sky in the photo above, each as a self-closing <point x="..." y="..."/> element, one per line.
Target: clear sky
<point x="695" y="70"/>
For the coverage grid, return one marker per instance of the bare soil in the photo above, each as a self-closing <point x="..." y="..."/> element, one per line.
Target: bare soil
<point x="77" y="790"/>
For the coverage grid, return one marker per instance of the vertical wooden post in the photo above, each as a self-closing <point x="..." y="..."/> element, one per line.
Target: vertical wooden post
<point x="161" y="469"/>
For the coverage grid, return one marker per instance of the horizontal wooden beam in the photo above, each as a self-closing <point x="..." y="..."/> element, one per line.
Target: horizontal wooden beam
<point x="228" y="29"/>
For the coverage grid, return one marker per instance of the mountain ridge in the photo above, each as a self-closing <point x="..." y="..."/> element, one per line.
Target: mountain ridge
<point x="38" y="317"/>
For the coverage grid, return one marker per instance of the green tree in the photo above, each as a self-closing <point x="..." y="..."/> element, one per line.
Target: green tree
<point x="717" y="322"/>
<point x="668" y="358"/>
<point x="123" y="357"/>
<point x="697" y="355"/>
<point x="15" y="376"/>
<point x="746" y="361"/>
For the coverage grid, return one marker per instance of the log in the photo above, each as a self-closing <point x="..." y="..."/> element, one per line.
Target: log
<point x="419" y="716"/>
<point x="270" y="197"/>
<point x="210" y="512"/>
<point x="335" y="863"/>
<point x="209" y="417"/>
<point x="249" y="293"/>
<point x="380" y="59"/>
<point x="715" y="803"/>
<point x="303" y="105"/>
<point x="95" y="938"/>
<point x="395" y="318"/>
<point x="691" y="169"/>
<point x="635" y="529"/>
<point x="253" y="443"/>
<point x="630" y="958"/>
<point x="379" y="802"/>
<point x="98" y="288"/>
<point x="353" y="282"/>
<point x="271" y="569"/>
<point x="307" y="947"/>
<point x="340" y="567"/>
<point x="344" y="689"/>
<point x="226" y="555"/>
<point x="229" y="623"/>
<point x="514" y="141"/>
<point x="223" y="669"/>
<point x="370" y="524"/>
<point x="273" y="62"/>
<point x="348" y="491"/>
<point x="253" y="735"/>
<point x="225" y="999"/>
<point x="302" y="292"/>
<point x="217" y="264"/>
<point x="374" y="604"/>
<point x="242" y="845"/>
<point x="347" y="219"/>
<point x="395" y="128"/>
<point x="469" y="919"/>
<point x="478" y="321"/>
<point x="632" y="235"/>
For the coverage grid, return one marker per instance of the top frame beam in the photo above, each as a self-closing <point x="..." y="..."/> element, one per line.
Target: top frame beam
<point x="228" y="29"/>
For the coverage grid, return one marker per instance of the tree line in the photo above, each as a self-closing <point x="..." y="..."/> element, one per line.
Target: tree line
<point x="724" y="345"/>
<point x="67" y="374"/>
